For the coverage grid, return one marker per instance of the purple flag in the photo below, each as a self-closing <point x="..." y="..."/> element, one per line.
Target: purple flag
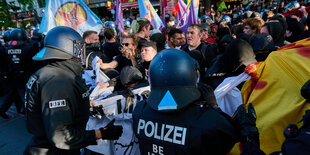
<point x="119" y="16"/>
<point x="191" y="19"/>
<point x="183" y="12"/>
<point x="163" y="6"/>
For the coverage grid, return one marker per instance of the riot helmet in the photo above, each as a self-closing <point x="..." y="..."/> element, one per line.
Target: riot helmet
<point x="173" y="76"/>
<point x="110" y="24"/>
<point x="7" y="35"/>
<point x="226" y="19"/>
<point x="18" y="34"/>
<point x="36" y="35"/>
<point x="61" y="43"/>
<point x="292" y="5"/>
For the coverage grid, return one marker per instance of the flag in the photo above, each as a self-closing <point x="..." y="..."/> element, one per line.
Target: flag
<point x="196" y="7"/>
<point x="274" y="90"/>
<point x="181" y="11"/>
<point x="163" y="6"/>
<point x="221" y="7"/>
<point x="70" y="13"/>
<point x="119" y="16"/>
<point x="191" y="19"/>
<point x="147" y="11"/>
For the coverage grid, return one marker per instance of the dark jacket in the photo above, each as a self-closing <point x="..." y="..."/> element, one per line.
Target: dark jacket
<point x="191" y="130"/>
<point x="92" y="50"/>
<point x="57" y="110"/>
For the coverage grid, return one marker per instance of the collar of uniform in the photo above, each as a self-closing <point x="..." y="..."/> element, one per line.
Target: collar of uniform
<point x="70" y="64"/>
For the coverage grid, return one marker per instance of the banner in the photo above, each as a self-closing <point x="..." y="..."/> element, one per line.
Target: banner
<point x="147" y="11"/>
<point x="70" y="13"/>
<point x="274" y="90"/>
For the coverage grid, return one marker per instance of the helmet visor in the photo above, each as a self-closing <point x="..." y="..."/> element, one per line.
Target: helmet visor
<point x="79" y="50"/>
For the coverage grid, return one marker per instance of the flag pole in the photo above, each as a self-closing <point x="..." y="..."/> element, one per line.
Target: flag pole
<point x="183" y="14"/>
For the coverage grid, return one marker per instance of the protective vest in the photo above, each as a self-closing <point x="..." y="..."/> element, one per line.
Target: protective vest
<point x="191" y="130"/>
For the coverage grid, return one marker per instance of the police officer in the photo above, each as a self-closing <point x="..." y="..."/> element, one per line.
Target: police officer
<point x="57" y="100"/>
<point x="37" y="39"/>
<point x="175" y="118"/>
<point x="18" y="63"/>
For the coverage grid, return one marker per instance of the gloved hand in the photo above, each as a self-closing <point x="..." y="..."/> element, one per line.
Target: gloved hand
<point x="245" y="121"/>
<point x="207" y="94"/>
<point x="97" y="111"/>
<point x="127" y="93"/>
<point x="111" y="132"/>
<point x="306" y="120"/>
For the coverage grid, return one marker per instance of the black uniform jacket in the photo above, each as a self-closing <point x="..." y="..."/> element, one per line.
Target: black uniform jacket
<point x="191" y="130"/>
<point x="57" y="109"/>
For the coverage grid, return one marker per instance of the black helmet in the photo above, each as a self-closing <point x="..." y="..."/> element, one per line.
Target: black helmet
<point x="173" y="76"/>
<point x="7" y="35"/>
<point x="36" y="35"/>
<point x="61" y="43"/>
<point x="18" y="34"/>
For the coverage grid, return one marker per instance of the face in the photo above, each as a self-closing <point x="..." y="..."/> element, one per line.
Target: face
<point x="93" y="38"/>
<point x="183" y="41"/>
<point x="128" y="43"/>
<point x="176" y="40"/>
<point x="264" y="30"/>
<point x="193" y="36"/>
<point x="148" y="53"/>
<point x="147" y="31"/>
<point x="247" y="30"/>
<point x="205" y="35"/>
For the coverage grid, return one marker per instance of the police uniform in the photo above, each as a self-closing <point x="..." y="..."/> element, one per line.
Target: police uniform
<point x="57" y="99"/>
<point x="57" y="105"/>
<point x="173" y="120"/>
<point x="18" y="63"/>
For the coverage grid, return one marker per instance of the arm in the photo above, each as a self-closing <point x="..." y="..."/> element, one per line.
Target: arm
<point x="112" y="64"/>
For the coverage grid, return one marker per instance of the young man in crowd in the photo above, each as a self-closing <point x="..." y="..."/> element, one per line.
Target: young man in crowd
<point x="174" y="38"/>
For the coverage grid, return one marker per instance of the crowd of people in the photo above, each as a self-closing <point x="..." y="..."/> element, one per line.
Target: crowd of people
<point x="42" y="76"/>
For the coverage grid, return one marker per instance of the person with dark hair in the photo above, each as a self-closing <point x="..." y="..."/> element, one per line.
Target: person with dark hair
<point x="144" y="29"/>
<point x="148" y="52"/>
<point x="276" y="30"/>
<point x="194" y="35"/>
<point x="294" y="31"/>
<point x="110" y="48"/>
<point x="174" y="38"/>
<point x="93" y="47"/>
<point x="160" y="41"/>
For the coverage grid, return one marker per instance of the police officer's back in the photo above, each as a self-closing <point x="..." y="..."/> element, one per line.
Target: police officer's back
<point x="57" y="100"/>
<point x="174" y="119"/>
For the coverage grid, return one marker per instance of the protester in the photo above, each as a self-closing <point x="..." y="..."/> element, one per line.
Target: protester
<point x="252" y="26"/>
<point x="128" y="54"/>
<point x="110" y="48"/>
<point x="174" y="38"/>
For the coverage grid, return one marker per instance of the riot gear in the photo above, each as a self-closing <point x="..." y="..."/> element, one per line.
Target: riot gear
<point x="61" y="43"/>
<point x="170" y="70"/>
<point x="110" y="24"/>
<point x="174" y="119"/>
<point x="36" y="35"/>
<point x="6" y="36"/>
<point x="226" y="19"/>
<point x="292" y="5"/>
<point x="18" y="34"/>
